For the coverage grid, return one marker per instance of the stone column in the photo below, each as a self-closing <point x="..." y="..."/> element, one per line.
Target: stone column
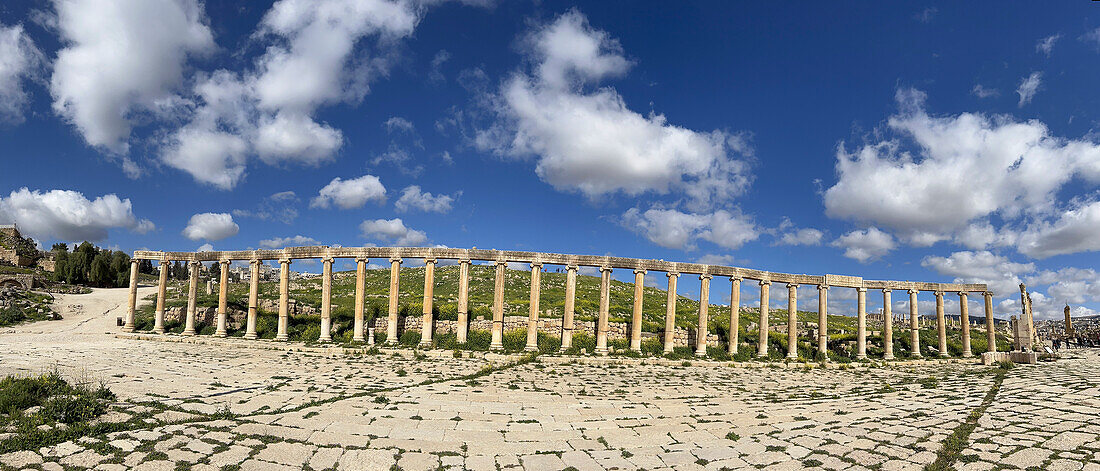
<point x="990" y="333"/>
<point x="823" y="319"/>
<point x="162" y="293"/>
<point x="395" y="279"/>
<point x="735" y="313"/>
<point x="253" y="299"/>
<point x="360" y="294"/>
<point x="914" y="323"/>
<point x="570" y="305"/>
<point x="762" y="346"/>
<point x="326" y="300"/>
<point x="284" y="300"/>
<point x="533" y="309"/>
<point x="605" y="302"/>
<point x="670" y="311"/>
<point x="427" y="322"/>
<point x="463" y="300"/>
<point x="636" y="318"/>
<point x="887" y="326"/>
<point x="861" y="323"/>
<point x="792" y="320"/>
<point x="223" y="291"/>
<point x="704" y="307"/>
<point x="497" y="342"/>
<point x="192" y="299"/>
<point x="964" y="323"/>
<point x="128" y="326"/>
<point x="941" y="323"/>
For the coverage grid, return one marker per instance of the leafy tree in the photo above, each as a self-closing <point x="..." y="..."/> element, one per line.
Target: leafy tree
<point x="100" y="274"/>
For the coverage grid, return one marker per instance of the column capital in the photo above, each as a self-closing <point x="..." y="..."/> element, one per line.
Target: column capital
<point x="765" y="282"/>
<point x="536" y="265"/>
<point x="327" y="259"/>
<point x="736" y="278"/>
<point x="395" y="259"/>
<point x="135" y="261"/>
<point x="285" y="261"/>
<point x="914" y="291"/>
<point x="792" y="285"/>
<point x="255" y="261"/>
<point x="605" y="269"/>
<point x="194" y="263"/>
<point x="706" y="276"/>
<point x="887" y="290"/>
<point x="429" y="260"/>
<point x="360" y="259"/>
<point x="639" y="270"/>
<point x="467" y="262"/>
<point x="672" y="274"/>
<point x="225" y="262"/>
<point x="861" y="290"/>
<point x="501" y="263"/>
<point x="963" y="294"/>
<point x="571" y="267"/>
<point x="939" y="294"/>
<point x="988" y="294"/>
<point x="823" y="287"/>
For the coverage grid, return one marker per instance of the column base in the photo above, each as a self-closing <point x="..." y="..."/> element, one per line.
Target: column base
<point x="251" y="336"/>
<point x="282" y="337"/>
<point x="943" y="355"/>
<point x="636" y="350"/>
<point x="888" y="357"/>
<point x="915" y="355"/>
<point x="424" y="344"/>
<point x="530" y="348"/>
<point x="496" y="348"/>
<point x="601" y="351"/>
<point x="324" y="340"/>
<point x="358" y="339"/>
<point x="967" y="354"/>
<point x="668" y="350"/>
<point x="792" y="356"/>
<point x="127" y="329"/>
<point x="861" y="356"/>
<point x="188" y="334"/>
<point x="700" y="353"/>
<point x="160" y="331"/>
<point x="220" y="334"/>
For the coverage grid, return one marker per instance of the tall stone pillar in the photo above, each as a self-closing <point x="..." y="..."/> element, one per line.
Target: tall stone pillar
<point x="914" y="324"/>
<point x="941" y="323"/>
<point x="964" y="323"/>
<point x="636" y="318"/>
<point x="570" y="305"/>
<point x="792" y="320"/>
<point x="427" y="322"/>
<point x="128" y="325"/>
<point x="326" y="300"/>
<point x="887" y="326"/>
<point x="253" y="299"/>
<point x="704" y="307"/>
<point x="605" y="303"/>
<point x="284" y="300"/>
<point x="823" y="319"/>
<point x="735" y="314"/>
<point x="162" y="293"/>
<point x="192" y="299"/>
<point x="395" y="280"/>
<point x="360" y="294"/>
<point x="223" y="303"/>
<point x="670" y="311"/>
<point x="497" y="342"/>
<point x="533" y="310"/>
<point x="762" y="345"/>
<point x="861" y="323"/>
<point x="990" y="333"/>
<point x="463" y="300"/>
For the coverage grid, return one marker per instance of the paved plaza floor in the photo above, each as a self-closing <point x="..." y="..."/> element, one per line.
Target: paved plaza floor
<point x="221" y="405"/>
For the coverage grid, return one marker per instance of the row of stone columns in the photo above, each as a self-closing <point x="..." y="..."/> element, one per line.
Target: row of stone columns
<point x="568" y="316"/>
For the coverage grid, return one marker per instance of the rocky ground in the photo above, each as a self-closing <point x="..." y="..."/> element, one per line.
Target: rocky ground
<point x="224" y="405"/>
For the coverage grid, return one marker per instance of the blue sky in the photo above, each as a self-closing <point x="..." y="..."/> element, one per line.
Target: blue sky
<point x="915" y="141"/>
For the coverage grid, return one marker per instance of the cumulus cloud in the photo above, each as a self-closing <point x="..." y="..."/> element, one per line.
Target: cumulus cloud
<point x="392" y="231"/>
<point x="865" y="245"/>
<point x="958" y="171"/>
<point x="1028" y="87"/>
<point x="413" y="199"/>
<point x="791" y="235"/>
<point x="1046" y="45"/>
<point x="69" y="215"/>
<point x="20" y="60"/>
<point x="679" y="230"/>
<point x="588" y="140"/>
<point x="207" y="247"/>
<point x="1002" y="275"/>
<point x="348" y="194"/>
<point x="1074" y="230"/>
<point x="121" y="59"/>
<point x="294" y="241"/>
<point x="715" y="259"/>
<point x="211" y="226"/>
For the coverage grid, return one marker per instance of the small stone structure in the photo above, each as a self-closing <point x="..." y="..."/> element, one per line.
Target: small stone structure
<point x="24" y="281"/>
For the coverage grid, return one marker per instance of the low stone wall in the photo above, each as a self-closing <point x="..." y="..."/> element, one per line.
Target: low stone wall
<point x="1030" y="358"/>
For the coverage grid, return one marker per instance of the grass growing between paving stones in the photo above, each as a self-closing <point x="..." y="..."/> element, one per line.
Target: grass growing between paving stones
<point x="45" y="408"/>
<point x="955" y="443"/>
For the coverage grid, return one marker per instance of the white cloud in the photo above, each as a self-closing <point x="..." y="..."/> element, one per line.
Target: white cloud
<point x="804" y="236"/>
<point x="436" y="73"/>
<point x="1092" y="37"/>
<point x="865" y="245"/>
<point x="69" y="215"/>
<point x="589" y="141"/>
<point x="982" y="92"/>
<point x="1046" y="45"/>
<point x="207" y="247"/>
<point x="392" y="231"/>
<point x="413" y="199"/>
<point x="1028" y="87"/>
<point x="1002" y="275"/>
<point x="20" y="60"/>
<point x="348" y="194"/>
<point x="213" y="157"/>
<point x="120" y="59"/>
<point x="295" y="241"/>
<point x="1074" y="230"/>
<point x="397" y="123"/>
<point x="962" y="169"/>
<point x="715" y="259"/>
<point x="211" y="226"/>
<point x="675" y="229"/>
<point x="277" y="207"/>
<point x="296" y="138"/>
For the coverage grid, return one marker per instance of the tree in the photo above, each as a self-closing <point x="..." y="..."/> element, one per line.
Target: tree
<point x="60" y="247"/>
<point x="100" y="274"/>
<point x="146" y="267"/>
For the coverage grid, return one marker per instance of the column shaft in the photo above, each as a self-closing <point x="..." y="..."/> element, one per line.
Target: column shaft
<point x="128" y="325"/>
<point x="792" y="320"/>
<point x="735" y="314"/>
<point x="533" y="309"/>
<point x="990" y="333"/>
<point x="463" y="300"/>
<point x="887" y="326"/>
<point x="395" y="280"/>
<point x="360" y="294"/>
<point x="326" y="300"/>
<point x="964" y="323"/>
<point x="861" y="323"/>
<point x="670" y="312"/>
<point x="823" y="320"/>
<point x="162" y="293"/>
<point x="284" y="300"/>
<point x="941" y="323"/>
<point x="704" y="307"/>
<point x="427" y="323"/>
<point x="497" y="342"/>
<point x="605" y="303"/>
<point x="253" y="299"/>
<point x="223" y="302"/>
<point x="636" y="318"/>
<point x="192" y="299"/>
<point x="914" y="324"/>
<point x="762" y="342"/>
<point x="570" y="305"/>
